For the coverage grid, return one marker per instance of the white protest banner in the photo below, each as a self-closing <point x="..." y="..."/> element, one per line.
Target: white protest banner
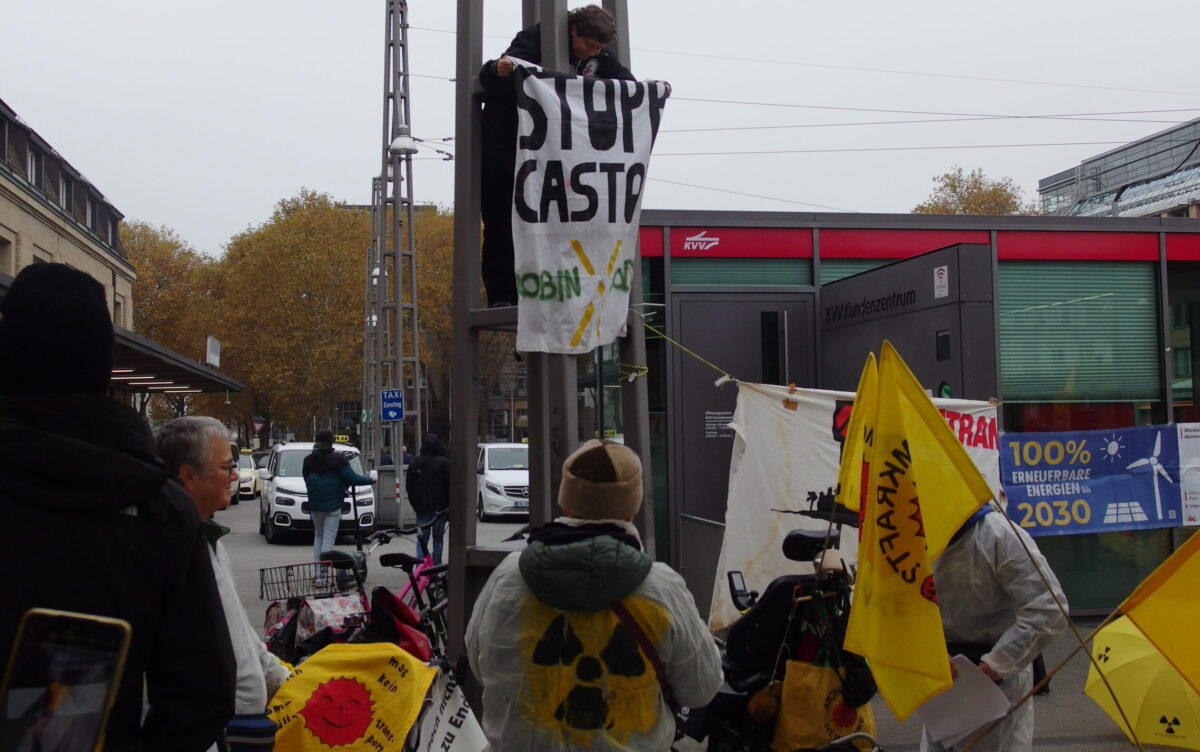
<point x="786" y="449"/>
<point x="448" y="725"/>
<point x="583" y="150"/>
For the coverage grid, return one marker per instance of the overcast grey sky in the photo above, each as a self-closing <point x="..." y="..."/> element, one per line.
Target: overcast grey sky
<point x="200" y="116"/>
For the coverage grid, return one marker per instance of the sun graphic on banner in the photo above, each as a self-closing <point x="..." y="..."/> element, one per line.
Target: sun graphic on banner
<point x="339" y="711"/>
<point x="1111" y="447"/>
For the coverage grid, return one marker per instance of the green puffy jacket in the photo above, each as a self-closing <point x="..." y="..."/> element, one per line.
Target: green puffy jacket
<point x="327" y="475"/>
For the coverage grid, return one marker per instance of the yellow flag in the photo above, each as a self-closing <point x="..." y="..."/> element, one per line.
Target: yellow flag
<point x="853" y="470"/>
<point x="1166" y="607"/>
<point x="353" y="697"/>
<point x="895" y="623"/>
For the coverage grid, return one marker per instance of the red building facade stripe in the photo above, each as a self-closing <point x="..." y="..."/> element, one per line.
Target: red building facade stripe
<point x="650" y="240"/>
<point x="1183" y="247"/>
<point x="1077" y="246"/>
<point x="892" y="244"/>
<point x="740" y="242"/>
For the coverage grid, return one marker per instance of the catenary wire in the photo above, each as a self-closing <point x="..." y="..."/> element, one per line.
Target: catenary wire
<point x="887" y="148"/>
<point x="750" y="195"/>
<point x="861" y="69"/>
<point x="900" y="122"/>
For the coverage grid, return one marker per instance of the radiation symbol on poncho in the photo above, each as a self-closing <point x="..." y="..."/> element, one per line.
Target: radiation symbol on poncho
<point x="586" y="674"/>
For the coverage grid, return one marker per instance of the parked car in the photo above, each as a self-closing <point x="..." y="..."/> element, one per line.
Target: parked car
<point x="502" y="481"/>
<point x="249" y="483"/>
<point x="283" y="508"/>
<point x="233" y="484"/>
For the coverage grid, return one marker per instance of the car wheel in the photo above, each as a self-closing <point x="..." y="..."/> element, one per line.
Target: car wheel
<point x="479" y="513"/>
<point x="273" y="534"/>
<point x="262" y="521"/>
<point x="234" y="499"/>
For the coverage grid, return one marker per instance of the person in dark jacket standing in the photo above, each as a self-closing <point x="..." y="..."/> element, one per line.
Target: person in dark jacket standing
<point x="327" y="475"/>
<point x="111" y="534"/>
<point x="590" y="28"/>
<point x="428" y="486"/>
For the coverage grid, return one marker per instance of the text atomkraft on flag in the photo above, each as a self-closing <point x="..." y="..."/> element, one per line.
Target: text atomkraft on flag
<point x="786" y="449"/>
<point x="583" y="149"/>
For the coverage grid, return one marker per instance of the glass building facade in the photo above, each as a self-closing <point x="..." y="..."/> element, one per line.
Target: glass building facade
<point x="1157" y="175"/>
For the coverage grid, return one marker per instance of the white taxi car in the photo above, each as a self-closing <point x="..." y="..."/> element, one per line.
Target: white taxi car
<point x="283" y="509"/>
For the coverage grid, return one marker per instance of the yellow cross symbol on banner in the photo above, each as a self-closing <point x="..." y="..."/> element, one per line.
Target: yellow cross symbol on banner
<point x="600" y="288"/>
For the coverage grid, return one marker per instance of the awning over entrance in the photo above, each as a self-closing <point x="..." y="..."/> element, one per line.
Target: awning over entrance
<point x="140" y="365"/>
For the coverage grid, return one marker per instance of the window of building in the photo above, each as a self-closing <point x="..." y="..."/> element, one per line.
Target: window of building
<point x="1181" y="358"/>
<point x="92" y="212"/>
<point x="834" y="269"/>
<point x="1079" y="332"/>
<point x="64" y="191"/>
<point x="1183" y="292"/>
<point x="741" y="272"/>
<point x="118" y="310"/>
<point x="34" y="162"/>
<point x="6" y="256"/>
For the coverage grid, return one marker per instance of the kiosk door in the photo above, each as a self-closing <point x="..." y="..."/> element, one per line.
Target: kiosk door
<point x="763" y="337"/>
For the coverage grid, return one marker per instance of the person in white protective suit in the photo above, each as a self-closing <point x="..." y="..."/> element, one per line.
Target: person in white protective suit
<point x="571" y="637"/>
<point x="997" y="610"/>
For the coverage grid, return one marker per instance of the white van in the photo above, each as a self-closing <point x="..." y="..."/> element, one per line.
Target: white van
<point x="283" y="508"/>
<point x="502" y="481"/>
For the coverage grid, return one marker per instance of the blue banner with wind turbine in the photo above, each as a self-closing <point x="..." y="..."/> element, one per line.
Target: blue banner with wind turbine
<point x="1102" y="481"/>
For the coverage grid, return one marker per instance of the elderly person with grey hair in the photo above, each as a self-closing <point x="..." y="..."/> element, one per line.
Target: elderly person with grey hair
<point x="196" y="450"/>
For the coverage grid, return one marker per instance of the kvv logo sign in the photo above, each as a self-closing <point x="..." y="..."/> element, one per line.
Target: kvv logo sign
<point x="583" y="148"/>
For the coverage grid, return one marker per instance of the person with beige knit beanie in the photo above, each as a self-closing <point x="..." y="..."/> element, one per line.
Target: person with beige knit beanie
<point x="581" y="640"/>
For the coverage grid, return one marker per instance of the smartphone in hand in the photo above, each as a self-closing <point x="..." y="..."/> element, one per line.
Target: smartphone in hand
<point x="61" y="681"/>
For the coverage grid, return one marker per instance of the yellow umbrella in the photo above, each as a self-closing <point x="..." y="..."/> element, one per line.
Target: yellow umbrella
<point x="1160" y="705"/>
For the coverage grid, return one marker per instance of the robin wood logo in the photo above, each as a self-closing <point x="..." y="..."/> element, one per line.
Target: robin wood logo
<point x="621" y="283"/>
<point x="701" y="241"/>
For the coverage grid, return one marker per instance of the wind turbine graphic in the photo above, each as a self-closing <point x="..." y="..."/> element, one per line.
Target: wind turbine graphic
<point x="1157" y="469"/>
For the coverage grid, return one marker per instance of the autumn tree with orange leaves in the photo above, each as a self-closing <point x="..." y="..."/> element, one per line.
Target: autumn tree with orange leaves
<point x="959" y="192"/>
<point x="433" y="231"/>
<point x="292" y="307"/>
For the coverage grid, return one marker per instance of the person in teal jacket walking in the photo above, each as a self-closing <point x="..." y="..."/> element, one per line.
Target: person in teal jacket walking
<point x="327" y="475"/>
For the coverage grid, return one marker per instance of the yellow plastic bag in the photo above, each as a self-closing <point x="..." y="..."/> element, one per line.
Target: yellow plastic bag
<point x="812" y="711"/>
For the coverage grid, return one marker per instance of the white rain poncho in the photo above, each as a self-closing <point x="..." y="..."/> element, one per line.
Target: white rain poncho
<point x="989" y="592"/>
<point x="558" y="679"/>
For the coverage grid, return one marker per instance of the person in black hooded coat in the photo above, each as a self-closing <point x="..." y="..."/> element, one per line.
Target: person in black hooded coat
<point x="93" y="522"/>
<point x="590" y="29"/>
<point x="428" y="487"/>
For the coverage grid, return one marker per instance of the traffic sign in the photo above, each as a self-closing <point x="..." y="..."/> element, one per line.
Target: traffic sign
<point x="391" y="404"/>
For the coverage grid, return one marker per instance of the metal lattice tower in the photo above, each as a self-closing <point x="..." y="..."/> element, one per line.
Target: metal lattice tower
<point x="391" y="347"/>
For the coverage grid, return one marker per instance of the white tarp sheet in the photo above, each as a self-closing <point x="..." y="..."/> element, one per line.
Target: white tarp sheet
<point x="786" y="450"/>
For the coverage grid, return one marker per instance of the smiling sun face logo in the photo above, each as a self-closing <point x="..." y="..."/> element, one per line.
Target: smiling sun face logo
<point x="339" y="712"/>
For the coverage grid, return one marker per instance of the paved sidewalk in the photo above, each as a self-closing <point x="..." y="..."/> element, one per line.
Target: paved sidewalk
<point x="1066" y="719"/>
